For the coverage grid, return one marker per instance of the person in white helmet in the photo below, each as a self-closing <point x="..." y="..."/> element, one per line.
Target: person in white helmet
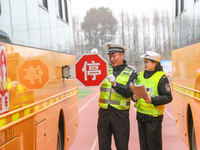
<point x="150" y="109"/>
<point x="114" y="100"/>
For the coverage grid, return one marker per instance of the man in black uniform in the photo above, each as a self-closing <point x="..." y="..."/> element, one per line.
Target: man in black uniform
<point x="114" y="100"/>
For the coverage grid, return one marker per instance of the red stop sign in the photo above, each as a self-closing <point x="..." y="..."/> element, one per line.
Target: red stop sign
<point x="91" y="70"/>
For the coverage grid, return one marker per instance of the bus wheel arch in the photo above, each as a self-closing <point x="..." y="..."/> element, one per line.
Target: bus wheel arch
<point x="60" y="131"/>
<point x="191" y="131"/>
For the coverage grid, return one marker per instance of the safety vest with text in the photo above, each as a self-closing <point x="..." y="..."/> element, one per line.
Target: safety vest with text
<point x="151" y="85"/>
<point x="108" y="96"/>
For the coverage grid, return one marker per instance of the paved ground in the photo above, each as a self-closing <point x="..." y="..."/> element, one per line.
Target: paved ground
<point x="87" y="139"/>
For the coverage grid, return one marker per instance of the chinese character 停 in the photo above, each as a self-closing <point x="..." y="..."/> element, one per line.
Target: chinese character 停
<point x="33" y="73"/>
<point x="92" y="69"/>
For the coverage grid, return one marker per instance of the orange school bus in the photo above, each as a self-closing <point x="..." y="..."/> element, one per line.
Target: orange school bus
<point x="38" y="96"/>
<point x="186" y="70"/>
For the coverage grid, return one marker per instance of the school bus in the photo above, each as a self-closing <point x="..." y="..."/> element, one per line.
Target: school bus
<point x="38" y="94"/>
<point x="186" y="70"/>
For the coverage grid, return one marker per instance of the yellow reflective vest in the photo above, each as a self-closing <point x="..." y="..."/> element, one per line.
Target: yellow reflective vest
<point x="151" y="85"/>
<point x="108" y="96"/>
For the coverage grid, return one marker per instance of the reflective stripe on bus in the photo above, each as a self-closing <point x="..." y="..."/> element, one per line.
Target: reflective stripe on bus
<point x="186" y="91"/>
<point x="30" y="110"/>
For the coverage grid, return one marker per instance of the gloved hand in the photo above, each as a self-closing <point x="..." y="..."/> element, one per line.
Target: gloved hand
<point x="111" y="78"/>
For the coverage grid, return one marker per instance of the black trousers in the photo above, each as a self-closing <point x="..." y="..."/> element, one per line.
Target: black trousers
<point x="116" y="123"/>
<point x="150" y="135"/>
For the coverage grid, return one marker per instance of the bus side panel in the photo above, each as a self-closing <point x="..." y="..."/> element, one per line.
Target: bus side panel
<point x="71" y="121"/>
<point x="180" y="103"/>
<point x="186" y="74"/>
<point x="34" y="110"/>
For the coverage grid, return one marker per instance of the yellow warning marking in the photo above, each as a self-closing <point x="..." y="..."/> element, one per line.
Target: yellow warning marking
<point x="192" y="93"/>
<point x="62" y="96"/>
<point x="70" y="93"/>
<point x="182" y="89"/>
<point x="36" y="108"/>
<point x="51" y="101"/>
<point x="27" y="112"/>
<point x="44" y="104"/>
<point x="197" y="95"/>
<point x="179" y="88"/>
<point x="15" y="117"/>
<point x="57" y="98"/>
<point x="2" y="122"/>
<point x="66" y="94"/>
<point x="186" y="91"/>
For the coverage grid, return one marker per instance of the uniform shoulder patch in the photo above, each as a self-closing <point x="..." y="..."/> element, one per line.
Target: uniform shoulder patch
<point x="131" y="67"/>
<point x="167" y="87"/>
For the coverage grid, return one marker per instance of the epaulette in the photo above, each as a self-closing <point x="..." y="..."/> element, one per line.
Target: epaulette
<point x="131" y="67"/>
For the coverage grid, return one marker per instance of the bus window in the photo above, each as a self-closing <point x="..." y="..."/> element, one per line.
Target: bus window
<point x="60" y="9"/>
<point x="177" y="8"/>
<point x="44" y="3"/>
<point x="66" y="11"/>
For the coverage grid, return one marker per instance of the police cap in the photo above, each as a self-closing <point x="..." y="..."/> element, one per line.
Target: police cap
<point x="151" y="55"/>
<point x="113" y="48"/>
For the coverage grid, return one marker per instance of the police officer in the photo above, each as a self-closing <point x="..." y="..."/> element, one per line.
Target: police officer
<point x="150" y="109"/>
<point x="114" y="100"/>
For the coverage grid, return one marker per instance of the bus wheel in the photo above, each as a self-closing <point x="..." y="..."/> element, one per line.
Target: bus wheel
<point x="59" y="143"/>
<point x="60" y="136"/>
<point x="192" y="139"/>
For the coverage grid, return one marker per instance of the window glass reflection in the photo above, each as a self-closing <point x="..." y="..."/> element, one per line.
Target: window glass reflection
<point x="45" y="29"/>
<point x="25" y="22"/>
<point x="19" y="21"/>
<point x="5" y="22"/>
<point x="33" y="23"/>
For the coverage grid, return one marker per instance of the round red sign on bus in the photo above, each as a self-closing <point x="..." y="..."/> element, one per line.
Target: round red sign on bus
<point x="91" y="70"/>
<point x="33" y="74"/>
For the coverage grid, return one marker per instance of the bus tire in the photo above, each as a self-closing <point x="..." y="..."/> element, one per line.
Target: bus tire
<point x="59" y="143"/>
<point x="191" y="131"/>
<point x="60" y="135"/>
<point x="193" y="140"/>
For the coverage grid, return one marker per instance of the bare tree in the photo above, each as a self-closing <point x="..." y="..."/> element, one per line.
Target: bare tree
<point x="78" y="37"/>
<point x="128" y="27"/>
<point x="146" y="33"/>
<point x="156" y="26"/>
<point x="169" y="36"/>
<point x="136" y="61"/>
<point x="164" y="29"/>
<point x="122" y="24"/>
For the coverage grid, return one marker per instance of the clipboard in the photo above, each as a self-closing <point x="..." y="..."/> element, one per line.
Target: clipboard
<point x="139" y="90"/>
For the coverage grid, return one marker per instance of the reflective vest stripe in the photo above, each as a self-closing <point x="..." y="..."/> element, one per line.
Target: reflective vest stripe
<point x="103" y="89"/>
<point x="112" y="102"/>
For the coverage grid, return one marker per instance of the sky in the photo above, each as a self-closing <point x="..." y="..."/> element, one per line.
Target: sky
<point x="80" y="7"/>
